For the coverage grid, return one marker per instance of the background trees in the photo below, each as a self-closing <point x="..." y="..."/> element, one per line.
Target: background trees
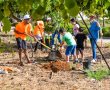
<point x="59" y="10"/>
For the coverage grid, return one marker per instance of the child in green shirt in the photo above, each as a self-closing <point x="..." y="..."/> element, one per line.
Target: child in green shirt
<point x="71" y="44"/>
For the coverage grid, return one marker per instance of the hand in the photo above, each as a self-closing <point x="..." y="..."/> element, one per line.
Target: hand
<point x="101" y="34"/>
<point x="61" y="48"/>
<point x="35" y="39"/>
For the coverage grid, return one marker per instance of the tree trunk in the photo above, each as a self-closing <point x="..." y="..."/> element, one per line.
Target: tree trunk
<point x="103" y="22"/>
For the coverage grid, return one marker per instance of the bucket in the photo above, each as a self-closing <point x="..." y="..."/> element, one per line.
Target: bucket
<point x="52" y="55"/>
<point x="86" y="64"/>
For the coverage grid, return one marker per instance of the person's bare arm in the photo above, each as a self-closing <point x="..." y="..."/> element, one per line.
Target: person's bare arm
<point x="62" y="43"/>
<point x="100" y="32"/>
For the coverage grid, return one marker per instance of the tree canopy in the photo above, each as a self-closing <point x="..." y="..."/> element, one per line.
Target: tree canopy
<point x="39" y="8"/>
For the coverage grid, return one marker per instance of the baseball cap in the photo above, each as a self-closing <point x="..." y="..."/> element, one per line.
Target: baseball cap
<point x="26" y="17"/>
<point x="92" y="16"/>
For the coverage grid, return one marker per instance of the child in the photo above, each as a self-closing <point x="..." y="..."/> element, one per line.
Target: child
<point x="80" y="39"/>
<point x="71" y="44"/>
<point x="76" y="26"/>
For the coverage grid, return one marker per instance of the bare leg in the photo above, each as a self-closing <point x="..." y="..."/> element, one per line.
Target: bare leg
<point x="26" y="55"/>
<point x="75" y="57"/>
<point x="82" y="55"/>
<point x="20" y="57"/>
<point x="67" y="58"/>
<point x="77" y="54"/>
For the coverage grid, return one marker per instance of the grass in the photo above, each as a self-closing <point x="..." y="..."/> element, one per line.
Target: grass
<point x="99" y="74"/>
<point x="5" y="48"/>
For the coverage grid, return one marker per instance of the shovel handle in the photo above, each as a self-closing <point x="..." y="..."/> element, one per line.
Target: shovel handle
<point x="44" y="45"/>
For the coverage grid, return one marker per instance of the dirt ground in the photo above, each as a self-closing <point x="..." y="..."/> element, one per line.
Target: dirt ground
<point x="38" y="76"/>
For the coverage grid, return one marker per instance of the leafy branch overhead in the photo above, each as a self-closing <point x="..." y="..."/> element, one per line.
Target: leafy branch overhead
<point x="39" y="8"/>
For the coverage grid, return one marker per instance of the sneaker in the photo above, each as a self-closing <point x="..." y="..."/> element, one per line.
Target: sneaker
<point x="68" y="61"/>
<point x="93" y="61"/>
<point x="81" y="62"/>
<point x="75" y="61"/>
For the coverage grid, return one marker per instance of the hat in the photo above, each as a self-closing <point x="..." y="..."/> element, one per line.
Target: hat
<point x="26" y="17"/>
<point x="40" y="23"/>
<point x="92" y="16"/>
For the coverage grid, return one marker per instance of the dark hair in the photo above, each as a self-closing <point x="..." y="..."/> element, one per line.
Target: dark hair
<point x="72" y="20"/>
<point x="81" y="29"/>
<point x="56" y="31"/>
<point x="61" y="30"/>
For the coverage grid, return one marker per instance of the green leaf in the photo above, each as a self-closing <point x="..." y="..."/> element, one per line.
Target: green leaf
<point x="64" y="14"/>
<point x="74" y="11"/>
<point x="97" y="1"/>
<point x="85" y="2"/>
<point x="92" y="8"/>
<point x="40" y="10"/>
<point x="25" y="5"/>
<point x="35" y="15"/>
<point x="6" y="25"/>
<point x="108" y="0"/>
<point x="61" y="1"/>
<point x="6" y="10"/>
<point x="1" y="1"/>
<point x="62" y="7"/>
<point x="1" y="16"/>
<point x="70" y="3"/>
<point x="106" y="5"/>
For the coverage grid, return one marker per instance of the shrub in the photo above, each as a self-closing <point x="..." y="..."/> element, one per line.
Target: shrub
<point x="106" y="31"/>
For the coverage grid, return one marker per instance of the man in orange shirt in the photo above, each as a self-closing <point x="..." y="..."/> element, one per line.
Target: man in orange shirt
<point x="39" y="34"/>
<point x="22" y="30"/>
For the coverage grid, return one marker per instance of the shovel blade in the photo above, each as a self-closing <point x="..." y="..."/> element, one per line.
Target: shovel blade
<point x="58" y="54"/>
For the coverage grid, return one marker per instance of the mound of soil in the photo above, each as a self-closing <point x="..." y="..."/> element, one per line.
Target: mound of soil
<point x="56" y="66"/>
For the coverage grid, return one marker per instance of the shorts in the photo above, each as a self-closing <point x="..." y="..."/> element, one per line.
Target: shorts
<point x="71" y="50"/>
<point x="80" y="49"/>
<point x="21" y="44"/>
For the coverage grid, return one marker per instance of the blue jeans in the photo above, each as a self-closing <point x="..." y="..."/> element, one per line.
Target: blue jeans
<point x="53" y="36"/>
<point x="93" y="45"/>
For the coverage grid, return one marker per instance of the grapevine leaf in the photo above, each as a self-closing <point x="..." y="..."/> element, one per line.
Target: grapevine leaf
<point x="6" y="25"/>
<point x="1" y="16"/>
<point x="6" y="10"/>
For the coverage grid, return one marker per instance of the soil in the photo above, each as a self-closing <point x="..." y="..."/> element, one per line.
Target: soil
<point x="43" y="74"/>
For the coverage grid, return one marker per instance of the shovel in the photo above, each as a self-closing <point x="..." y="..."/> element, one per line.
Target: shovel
<point x="58" y="53"/>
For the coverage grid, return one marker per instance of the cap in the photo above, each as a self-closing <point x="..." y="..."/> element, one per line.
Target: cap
<point x="40" y="23"/>
<point x="92" y="16"/>
<point x="26" y="17"/>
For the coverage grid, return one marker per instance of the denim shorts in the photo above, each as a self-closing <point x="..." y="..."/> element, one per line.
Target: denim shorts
<point x="21" y="44"/>
<point x="71" y="50"/>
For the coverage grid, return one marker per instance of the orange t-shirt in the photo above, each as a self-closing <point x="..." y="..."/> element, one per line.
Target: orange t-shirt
<point x="23" y="28"/>
<point x="39" y="30"/>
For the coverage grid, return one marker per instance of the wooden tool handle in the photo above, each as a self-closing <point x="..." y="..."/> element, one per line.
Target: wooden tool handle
<point x="44" y="45"/>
